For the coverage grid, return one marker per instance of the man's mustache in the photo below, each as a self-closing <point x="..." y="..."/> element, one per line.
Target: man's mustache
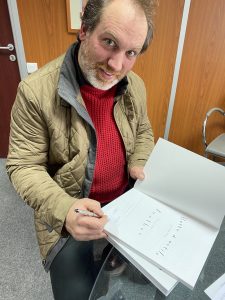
<point x="107" y="69"/>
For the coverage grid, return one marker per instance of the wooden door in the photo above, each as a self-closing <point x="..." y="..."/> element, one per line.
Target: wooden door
<point x="9" y="77"/>
<point x="201" y="84"/>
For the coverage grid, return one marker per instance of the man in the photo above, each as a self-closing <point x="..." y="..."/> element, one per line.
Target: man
<point x="79" y="133"/>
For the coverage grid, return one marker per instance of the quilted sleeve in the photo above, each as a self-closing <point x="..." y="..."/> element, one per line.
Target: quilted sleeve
<point x="27" y="161"/>
<point x="144" y="141"/>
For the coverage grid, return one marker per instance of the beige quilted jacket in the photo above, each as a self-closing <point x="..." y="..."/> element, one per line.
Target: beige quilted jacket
<point x="53" y="144"/>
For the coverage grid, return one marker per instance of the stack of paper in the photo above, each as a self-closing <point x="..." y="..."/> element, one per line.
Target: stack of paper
<point x="164" y="282"/>
<point x="170" y="220"/>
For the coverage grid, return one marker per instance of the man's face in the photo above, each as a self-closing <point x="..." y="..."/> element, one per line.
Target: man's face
<point x="108" y="53"/>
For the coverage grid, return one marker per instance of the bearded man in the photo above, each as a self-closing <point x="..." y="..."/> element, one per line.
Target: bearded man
<point x="80" y="135"/>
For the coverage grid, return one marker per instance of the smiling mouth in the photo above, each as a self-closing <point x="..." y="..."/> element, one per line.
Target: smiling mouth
<point x="106" y="75"/>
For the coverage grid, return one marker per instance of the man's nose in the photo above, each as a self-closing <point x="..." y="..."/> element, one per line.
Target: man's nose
<point x="116" y="61"/>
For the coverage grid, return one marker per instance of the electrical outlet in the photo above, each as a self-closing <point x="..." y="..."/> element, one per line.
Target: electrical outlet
<point x="31" y="67"/>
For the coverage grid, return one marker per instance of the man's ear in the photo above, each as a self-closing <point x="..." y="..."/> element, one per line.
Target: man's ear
<point x="82" y="32"/>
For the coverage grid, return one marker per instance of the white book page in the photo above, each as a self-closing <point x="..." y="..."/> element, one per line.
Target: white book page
<point x="164" y="282"/>
<point x="186" y="181"/>
<point x="161" y="234"/>
<point x="216" y="291"/>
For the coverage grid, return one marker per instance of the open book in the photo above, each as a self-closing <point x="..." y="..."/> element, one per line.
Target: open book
<point x="171" y="218"/>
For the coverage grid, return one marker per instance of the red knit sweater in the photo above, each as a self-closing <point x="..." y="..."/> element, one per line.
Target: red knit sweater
<point x="110" y="174"/>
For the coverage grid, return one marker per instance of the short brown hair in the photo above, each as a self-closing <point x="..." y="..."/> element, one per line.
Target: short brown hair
<point x="93" y="11"/>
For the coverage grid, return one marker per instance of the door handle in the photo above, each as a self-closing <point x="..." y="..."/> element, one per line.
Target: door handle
<point x="10" y="47"/>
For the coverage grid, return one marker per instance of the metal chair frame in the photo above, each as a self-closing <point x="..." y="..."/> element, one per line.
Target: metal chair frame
<point x="211" y="111"/>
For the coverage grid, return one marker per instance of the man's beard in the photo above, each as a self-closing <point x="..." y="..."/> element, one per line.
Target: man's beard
<point x="99" y="83"/>
<point x="90" y="71"/>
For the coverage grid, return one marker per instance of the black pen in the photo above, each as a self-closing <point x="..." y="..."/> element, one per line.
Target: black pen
<point x="86" y="212"/>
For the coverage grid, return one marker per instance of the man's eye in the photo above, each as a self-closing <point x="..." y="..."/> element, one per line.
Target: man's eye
<point x="110" y="43"/>
<point x="131" y="53"/>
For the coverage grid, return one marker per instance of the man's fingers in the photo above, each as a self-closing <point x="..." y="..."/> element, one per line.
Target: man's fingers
<point x="89" y="228"/>
<point x="88" y="237"/>
<point x="92" y="205"/>
<point x="83" y="227"/>
<point x="92" y="223"/>
<point x="95" y="207"/>
<point x="137" y="173"/>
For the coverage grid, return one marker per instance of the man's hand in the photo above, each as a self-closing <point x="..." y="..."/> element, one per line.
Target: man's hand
<point x="137" y="173"/>
<point x="85" y="228"/>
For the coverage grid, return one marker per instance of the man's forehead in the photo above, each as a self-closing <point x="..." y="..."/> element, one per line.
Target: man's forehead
<point x="118" y="11"/>
<point x="124" y="25"/>
<point x="126" y="7"/>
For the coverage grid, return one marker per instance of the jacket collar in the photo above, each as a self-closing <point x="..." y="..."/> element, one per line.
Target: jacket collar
<point x="68" y="87"/>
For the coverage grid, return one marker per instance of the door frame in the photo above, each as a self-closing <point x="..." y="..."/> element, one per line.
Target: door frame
<point x="17" y="35"/>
